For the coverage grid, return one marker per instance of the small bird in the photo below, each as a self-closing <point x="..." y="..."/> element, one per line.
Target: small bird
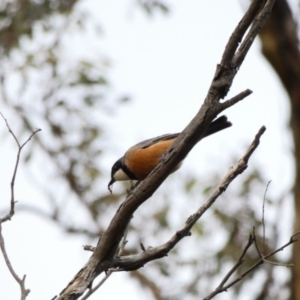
<point x="139" y="160"/>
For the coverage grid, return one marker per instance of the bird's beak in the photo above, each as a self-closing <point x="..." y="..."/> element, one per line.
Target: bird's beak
<point x="110" y="184"/>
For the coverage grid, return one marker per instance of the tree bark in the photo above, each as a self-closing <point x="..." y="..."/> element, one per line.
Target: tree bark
<point x="280" y="45"/>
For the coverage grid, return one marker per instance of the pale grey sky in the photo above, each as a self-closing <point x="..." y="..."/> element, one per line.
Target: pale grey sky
<point x="166" y="64"/>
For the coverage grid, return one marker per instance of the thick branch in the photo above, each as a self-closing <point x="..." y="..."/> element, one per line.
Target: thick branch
<point x="133" y="262"/>
<point x="102" y="258"/>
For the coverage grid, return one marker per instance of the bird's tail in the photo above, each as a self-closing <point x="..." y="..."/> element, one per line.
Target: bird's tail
<point x="218" y="125"/>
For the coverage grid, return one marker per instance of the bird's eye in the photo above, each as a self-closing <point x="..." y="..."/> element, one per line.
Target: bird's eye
<point x="114" y="168"/>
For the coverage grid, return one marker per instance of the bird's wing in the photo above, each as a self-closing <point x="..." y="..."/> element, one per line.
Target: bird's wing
<point x="217" y="125"/>
<point x="147" y="143"/>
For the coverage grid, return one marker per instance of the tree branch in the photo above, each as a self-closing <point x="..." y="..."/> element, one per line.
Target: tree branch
<point x="240" y="31"/>
<point x="133" y="262"/>
<point x="9" y="215"/>
<point x="252" y="238"/>
<point x="12" y="184"/>
<point x="102" y="257"/>
<point x="108" y="274"/>
<point x="258" y="22"/>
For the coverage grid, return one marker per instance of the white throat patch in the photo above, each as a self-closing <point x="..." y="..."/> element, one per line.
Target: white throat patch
<point x="120" y="175"/>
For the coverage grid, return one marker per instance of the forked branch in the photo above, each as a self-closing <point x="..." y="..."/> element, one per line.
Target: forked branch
<point x="225" y="285"/>
<point x="9" y="215"/>
<point x="133" y="262"/>
<point x="102" y="258"/>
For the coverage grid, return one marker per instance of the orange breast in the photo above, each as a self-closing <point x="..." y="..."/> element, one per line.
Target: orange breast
<point x="141" y="162"/>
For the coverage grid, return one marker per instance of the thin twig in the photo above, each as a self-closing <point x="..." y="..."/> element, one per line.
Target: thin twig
<point x="261" y="254"/>
<point x="89" y="248"/>
<point x="238" y="263"/>
<point x="21" y="282"/>
<point x="263" y="217"/>
<point x="235" y="99"/>
<point x="223" y="288"/>
<point x="12" y="184"/>
<point x="255" y="243"/>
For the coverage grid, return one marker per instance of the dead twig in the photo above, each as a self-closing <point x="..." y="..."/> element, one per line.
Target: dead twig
<point x="9" y="215"/>
<point x="252" y="239"/>
<point x="12" y="184"/>
<point x="263" y="216"/>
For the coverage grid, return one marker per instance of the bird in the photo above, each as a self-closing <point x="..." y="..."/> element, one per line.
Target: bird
<point x="140" y="160"/>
